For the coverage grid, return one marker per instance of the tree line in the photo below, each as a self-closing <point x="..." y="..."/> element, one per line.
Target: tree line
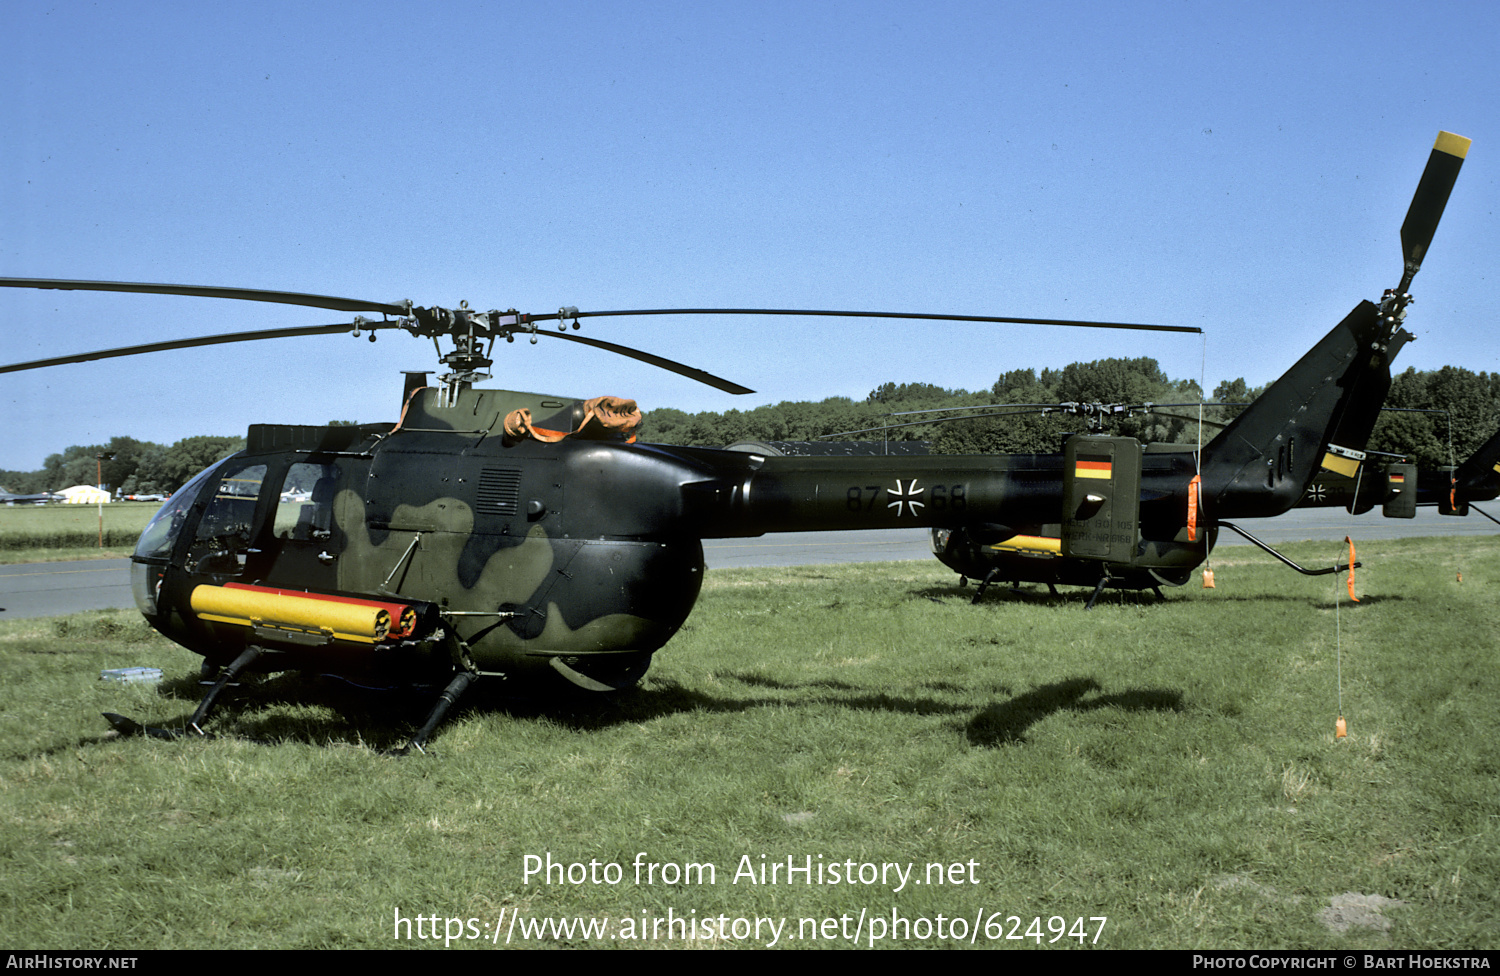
<point x="895" y="411"/>
<point x="133" y="467"/>
<point x="1462" y="411"/>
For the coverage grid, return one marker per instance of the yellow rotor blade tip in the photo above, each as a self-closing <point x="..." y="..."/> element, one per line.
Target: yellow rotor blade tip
<point x="1452" y="144"/>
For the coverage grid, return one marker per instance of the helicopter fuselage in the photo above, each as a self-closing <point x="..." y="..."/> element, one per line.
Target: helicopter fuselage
<point x="516" y="555"/>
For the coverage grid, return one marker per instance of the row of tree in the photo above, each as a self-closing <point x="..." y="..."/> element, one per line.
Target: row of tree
<point x="126" y="464"/>
<point x="1435" y="417"/>
<point x="924" y="412"/>
<point x="1440" y="416"/>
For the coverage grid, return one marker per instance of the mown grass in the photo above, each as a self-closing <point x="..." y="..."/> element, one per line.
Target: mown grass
<point x="1170" y="766"/>
<point x="43" y="533"/>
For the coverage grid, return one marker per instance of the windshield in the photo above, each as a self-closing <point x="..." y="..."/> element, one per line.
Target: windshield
<point x="161" y="531"/>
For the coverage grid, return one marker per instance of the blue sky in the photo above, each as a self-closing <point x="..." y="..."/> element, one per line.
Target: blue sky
<point x="1243" y="168"/>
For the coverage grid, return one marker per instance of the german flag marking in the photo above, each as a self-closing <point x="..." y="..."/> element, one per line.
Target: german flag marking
<point x="1093" y="466"/>
<point x="1398" y="479"/>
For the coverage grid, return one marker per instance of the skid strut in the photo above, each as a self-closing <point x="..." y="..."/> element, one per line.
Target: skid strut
<point x="984" y="584"/>
<point x="247" y="657"/>
<point x="456" y="687"/>
<point x="126" y="726"/>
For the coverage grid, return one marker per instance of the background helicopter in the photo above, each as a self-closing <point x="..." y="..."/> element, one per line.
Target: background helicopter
<point x="494" y="533"/>
<point x="1132" y="519"/>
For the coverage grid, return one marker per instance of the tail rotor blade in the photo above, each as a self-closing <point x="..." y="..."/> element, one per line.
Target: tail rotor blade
<point x="1431" y="197"/>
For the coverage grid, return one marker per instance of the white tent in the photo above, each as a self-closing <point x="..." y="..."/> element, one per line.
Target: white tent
<point x="83" y="495"/>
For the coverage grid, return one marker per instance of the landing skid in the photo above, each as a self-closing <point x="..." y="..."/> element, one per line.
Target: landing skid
<point x="126" y="726"/>
<point x="990" y="578"/>
<point x="417" y="743"/>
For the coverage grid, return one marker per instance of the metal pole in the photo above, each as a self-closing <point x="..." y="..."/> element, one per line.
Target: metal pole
<point x="99" y="460"/>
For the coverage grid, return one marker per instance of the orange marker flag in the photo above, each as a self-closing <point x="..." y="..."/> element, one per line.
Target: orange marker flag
<point x="1192" y="525"/>
<point x="1351" y="569"/>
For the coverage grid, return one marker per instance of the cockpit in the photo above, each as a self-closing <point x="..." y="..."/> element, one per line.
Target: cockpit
<point x="232" y="519"/>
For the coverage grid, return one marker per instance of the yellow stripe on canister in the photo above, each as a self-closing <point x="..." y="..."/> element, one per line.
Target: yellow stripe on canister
<point x="252" y="608"/>
<point x="1034" y="544"/>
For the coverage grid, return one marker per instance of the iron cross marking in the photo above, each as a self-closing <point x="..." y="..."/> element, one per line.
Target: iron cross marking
<point x="905" y="496"/>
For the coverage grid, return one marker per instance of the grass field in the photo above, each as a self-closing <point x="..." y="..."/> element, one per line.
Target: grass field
<point x="36" y="533"/>
<point x="1168" y="767"/>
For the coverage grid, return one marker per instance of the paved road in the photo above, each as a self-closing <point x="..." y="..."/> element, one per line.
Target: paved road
<point x="52" y="589"/>
<point x="806" y="548"/>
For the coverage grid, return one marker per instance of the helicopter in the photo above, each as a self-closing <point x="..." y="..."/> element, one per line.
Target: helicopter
<point x="507" y="535"/>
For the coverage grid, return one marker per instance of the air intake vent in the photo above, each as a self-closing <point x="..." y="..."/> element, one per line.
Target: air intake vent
<point x="499" y="491"/>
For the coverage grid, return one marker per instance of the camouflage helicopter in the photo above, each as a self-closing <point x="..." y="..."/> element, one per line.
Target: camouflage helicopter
<point x="490" y="533"/>
<point x="486" y="533"/>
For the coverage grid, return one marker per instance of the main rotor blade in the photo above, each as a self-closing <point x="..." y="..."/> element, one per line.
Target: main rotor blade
<point x="314" y="330"/>
<point x="85" y="357"/>
<point x="211" y="291"/>
<point x="928" y="316"/>
<point x="646" y="357"/>
<point x="389" y="308"/>
<point x="1431" y="197"/>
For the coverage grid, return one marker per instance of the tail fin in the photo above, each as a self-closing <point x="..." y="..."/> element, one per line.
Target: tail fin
<point x="1318" y="415"/>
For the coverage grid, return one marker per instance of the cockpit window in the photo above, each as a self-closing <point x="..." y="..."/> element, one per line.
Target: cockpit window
<point x="228" y="522"/>
<point x="161" y="532"/>
<point x="305" y="509"/>
<point x="231" y="510"/>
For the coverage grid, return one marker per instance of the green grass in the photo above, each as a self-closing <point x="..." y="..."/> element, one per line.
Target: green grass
<point x="45" y="533"/>
<point x="1170" y="766"/>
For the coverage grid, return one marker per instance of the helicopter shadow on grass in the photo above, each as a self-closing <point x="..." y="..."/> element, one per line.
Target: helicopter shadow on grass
<point x="858" y="697"/>
<point x="1006" y="723"/>
<point x="324" y="710"/>
<point x="1318" y="601"/>
<point x="327" y="711"/>
<point x="1036" y="595"/>
<point x="997" y="724"/>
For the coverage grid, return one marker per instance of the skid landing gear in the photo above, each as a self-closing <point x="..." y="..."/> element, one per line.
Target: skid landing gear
<point x="984" y="584"/>
<point x="1015" y="586"/>
<point x="126" y="726"/>
<point x="417" y="743"/>
<point x="456" y="687"/>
